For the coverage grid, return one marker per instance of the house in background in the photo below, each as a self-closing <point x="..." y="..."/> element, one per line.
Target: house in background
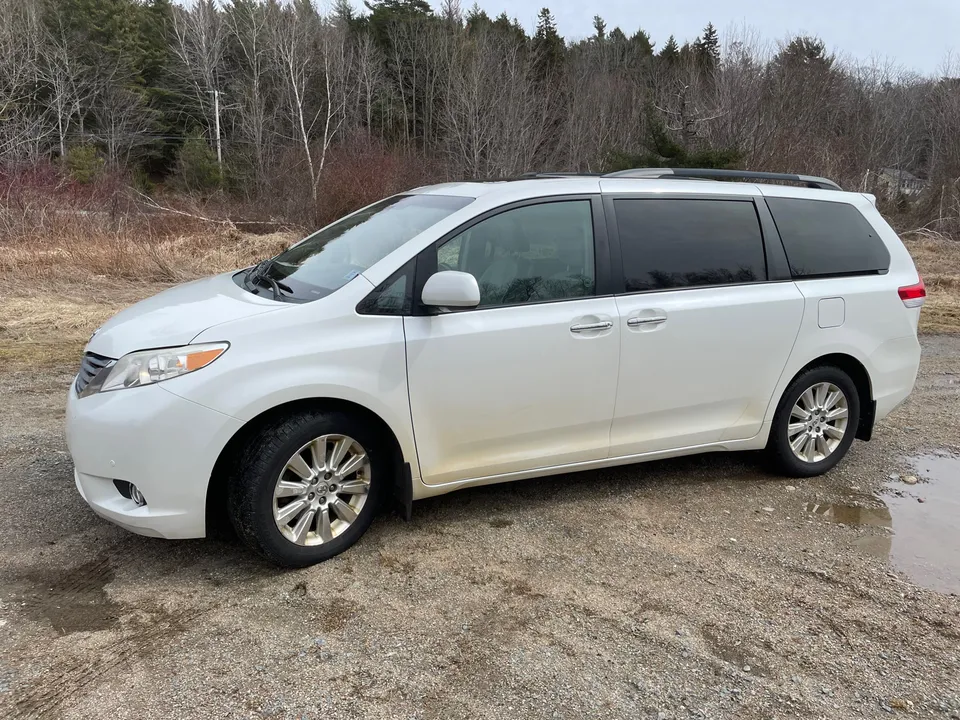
<point x="895" y="182"/>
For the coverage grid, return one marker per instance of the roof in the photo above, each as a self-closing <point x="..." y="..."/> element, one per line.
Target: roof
<point x="505" y="191"/>
<point x="902" y="175"/>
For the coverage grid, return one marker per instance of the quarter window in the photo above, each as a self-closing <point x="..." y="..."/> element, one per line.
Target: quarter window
<point x="534" y="253"/>
<point x="823" y="238"/>
<point x="689" y="243"/>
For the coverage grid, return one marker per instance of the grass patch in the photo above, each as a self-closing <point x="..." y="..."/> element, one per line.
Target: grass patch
<point x="938" y="260"/>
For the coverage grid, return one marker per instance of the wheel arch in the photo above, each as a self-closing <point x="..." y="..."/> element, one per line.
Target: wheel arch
<point x="861" y="380"/>
<point x="216" y="512"/>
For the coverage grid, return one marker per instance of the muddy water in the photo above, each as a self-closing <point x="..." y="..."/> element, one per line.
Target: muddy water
<point x="918" y="525"/>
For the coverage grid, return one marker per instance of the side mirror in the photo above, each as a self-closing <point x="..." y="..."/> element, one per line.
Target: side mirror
<point x="450" y="288"/>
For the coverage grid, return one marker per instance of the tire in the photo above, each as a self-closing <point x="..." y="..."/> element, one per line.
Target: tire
<point x="257" y="503"/>
<point x="816" y="425"/>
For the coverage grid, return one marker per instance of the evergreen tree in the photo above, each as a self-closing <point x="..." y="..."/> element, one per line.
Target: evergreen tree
<point x="670" y="53"/>
<point x="344" y="12"/>
<point x="617" y="36"/>
<point x="640" y="44"/>
<point x="508" y="28"/>
<point x="384" y="13"/>
<point x="477" y="19"/>
<point x="599" y="27"/>
<point x="706" y="49"/>
<point x="547" y="44"/>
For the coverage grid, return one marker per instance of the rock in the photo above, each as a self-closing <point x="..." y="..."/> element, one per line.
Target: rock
<point x="910" y="479"/>
<point x="746" y="668"/>
<point x="790" y="488"/>
<point x="795" y="679"/>
<point x="920" y="500"/>
<point x="767" y="509"/>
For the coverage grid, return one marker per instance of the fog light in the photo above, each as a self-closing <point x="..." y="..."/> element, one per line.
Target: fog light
<point x="137" y="496"/>
<point x="131" y="491"/>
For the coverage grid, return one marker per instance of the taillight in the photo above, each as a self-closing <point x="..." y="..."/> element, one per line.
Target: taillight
<point x="913" y="295"/>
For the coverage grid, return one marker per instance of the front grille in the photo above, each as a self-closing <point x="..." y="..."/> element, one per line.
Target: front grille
<point x="91" y="365"/>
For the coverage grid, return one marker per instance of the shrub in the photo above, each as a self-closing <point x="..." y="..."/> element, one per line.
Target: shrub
<point x="84" y="164"/>
<point x="197" y="168"/>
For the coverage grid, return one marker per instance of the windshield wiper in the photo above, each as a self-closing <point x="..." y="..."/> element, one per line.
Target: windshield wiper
<point x="258" y="275"/>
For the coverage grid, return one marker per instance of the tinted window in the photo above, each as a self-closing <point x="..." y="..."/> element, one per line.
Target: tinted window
<point x="530" y="254"/>
<point x="688" y="243"/>
<point x="827" y="238"/>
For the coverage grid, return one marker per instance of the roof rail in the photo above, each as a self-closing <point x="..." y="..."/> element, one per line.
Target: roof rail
<point x="710" y="174"/>
<point x="538" y="175"/>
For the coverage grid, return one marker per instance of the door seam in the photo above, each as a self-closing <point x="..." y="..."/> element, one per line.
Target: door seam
<point x="616" y="394"/>
<point x="406" y="373"/>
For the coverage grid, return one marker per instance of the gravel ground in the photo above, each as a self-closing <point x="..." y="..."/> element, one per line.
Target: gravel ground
<point x="698" y="587"/>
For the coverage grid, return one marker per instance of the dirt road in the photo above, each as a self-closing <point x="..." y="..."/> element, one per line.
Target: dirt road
<point x="702" y="587"/>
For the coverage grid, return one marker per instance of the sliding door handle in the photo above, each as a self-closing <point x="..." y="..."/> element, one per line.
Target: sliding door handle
<point x="654" y="320"/>
<point x="587" y="327"/>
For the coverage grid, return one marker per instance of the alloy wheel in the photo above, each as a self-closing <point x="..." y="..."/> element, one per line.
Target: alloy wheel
<point x="818" y="422"/>
<point x="321" y="490"/>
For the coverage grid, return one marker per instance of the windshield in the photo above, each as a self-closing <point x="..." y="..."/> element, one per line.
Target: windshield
<point x="331" y="257"/>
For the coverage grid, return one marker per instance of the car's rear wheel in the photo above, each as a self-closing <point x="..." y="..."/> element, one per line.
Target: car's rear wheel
<point x="815" y="422"/>
<point x="308" y="487"/>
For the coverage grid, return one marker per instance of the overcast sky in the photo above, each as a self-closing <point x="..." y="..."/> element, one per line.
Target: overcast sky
<point x="917" y="34"/>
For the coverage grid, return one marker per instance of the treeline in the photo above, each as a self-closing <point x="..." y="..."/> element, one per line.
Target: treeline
<point x="260" y="97"/>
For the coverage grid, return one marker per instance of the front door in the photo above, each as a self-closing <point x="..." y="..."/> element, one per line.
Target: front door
<point x="527" y="379"/>
<point x="705" y="335"/>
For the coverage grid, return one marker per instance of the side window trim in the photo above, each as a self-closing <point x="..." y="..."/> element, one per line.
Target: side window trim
<point x="778" y="269"/>
<point x="368" y="306"/>
<point x="776" y="263"/>
<point x="426" y="260"/>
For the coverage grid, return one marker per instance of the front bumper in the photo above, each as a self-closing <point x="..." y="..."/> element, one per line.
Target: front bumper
<point x="164" y="444"/>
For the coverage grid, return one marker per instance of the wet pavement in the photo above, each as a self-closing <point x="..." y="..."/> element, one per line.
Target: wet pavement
<point x="917" y="520"/>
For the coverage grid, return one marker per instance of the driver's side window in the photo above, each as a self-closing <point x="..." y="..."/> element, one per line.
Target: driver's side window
<point x="534" y="253"/>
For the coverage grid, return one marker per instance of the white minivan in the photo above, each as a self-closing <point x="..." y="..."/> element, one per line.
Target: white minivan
<point x="480" y="332"/>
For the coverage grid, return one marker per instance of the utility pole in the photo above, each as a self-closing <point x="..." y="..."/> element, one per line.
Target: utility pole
<point x="216" y="112"/>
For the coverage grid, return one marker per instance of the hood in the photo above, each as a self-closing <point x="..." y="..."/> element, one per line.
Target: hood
<point x="176" y="316"/>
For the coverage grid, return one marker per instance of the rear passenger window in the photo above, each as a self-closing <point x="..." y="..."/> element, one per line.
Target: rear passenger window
<point x="689" y="243"/>
<point x="824" y="238"/>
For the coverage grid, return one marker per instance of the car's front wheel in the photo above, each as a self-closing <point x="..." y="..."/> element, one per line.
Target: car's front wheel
<point x="815" y="422"/>
<point x="308" y="487"/>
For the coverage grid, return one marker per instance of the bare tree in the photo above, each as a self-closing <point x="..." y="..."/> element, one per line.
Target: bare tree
<point x="249" y="26"/>
<point x="199" y="44"/>
<point x="123" y="122"/>
<point x="22" y="130"/>
<point x="312" y="60"/>
<point x="70" y="84"/>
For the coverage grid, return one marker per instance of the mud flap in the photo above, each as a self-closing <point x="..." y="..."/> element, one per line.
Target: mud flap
<point x="868" y="413"/>
<point x="403" y="493"/>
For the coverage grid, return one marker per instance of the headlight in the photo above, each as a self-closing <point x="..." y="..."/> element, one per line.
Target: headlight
<point x="152" y="366"/>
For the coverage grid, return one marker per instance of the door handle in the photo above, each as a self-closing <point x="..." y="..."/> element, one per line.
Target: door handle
<point x="654" y="320"/>
<point x="605" y="325"/>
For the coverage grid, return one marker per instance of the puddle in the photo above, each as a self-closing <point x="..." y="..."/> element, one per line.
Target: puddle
<point x="72" y="600"/>
<point x="922" y="538"/>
